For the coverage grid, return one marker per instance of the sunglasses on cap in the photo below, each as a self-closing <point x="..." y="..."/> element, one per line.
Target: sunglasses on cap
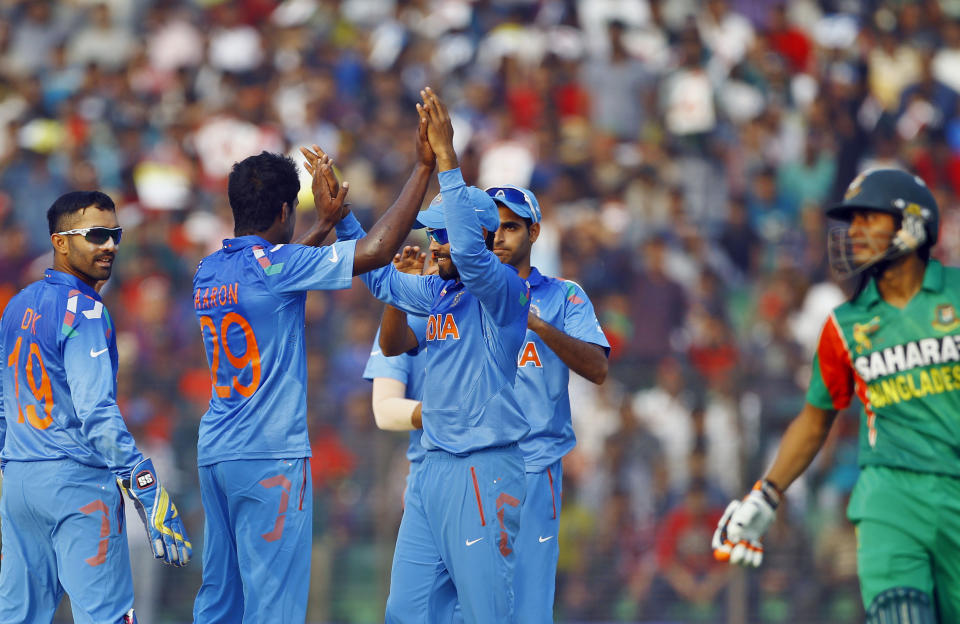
<point x="96" y="235"/>
<point x="438" y="235"/>
<point x="514" y="196"/>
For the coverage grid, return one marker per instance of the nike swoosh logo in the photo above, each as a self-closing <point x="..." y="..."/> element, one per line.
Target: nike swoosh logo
<point x="472" y="542"/>
<point x="335" y="255"/>
<point x="479" y="210"/>
<point x="94" y="354"/>
<point x="544" y="539"/>
<point x="376" y="352"/>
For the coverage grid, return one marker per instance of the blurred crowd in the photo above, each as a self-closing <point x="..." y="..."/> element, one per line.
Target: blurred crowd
<point x="683" y="152"/>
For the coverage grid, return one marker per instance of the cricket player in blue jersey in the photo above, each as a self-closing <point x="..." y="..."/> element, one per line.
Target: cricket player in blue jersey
<point x="397" y="391"/>
<point x="462" y="510"/>
<point x="66" y="449"/>
<point x="563" y="334"/>
<point x="398" y="380"/>
<point x="253" y="452"/>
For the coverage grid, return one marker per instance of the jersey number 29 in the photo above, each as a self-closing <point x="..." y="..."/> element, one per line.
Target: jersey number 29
<point x="251" y="354"/>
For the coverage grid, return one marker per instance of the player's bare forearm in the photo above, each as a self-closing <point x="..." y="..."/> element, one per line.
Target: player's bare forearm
<point x="377" y="248"/>
<point x="396" y="337"/>
<point x="447" y="160"/>
<point x="800" y="444"/>
<point x="587" y="359"/>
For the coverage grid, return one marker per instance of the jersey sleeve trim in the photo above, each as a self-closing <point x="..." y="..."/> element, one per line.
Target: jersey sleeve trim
<point x="268" y="267"/>
<point x="834" y="363"/>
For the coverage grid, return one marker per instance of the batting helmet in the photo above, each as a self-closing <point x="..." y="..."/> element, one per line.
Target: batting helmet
<point x="892" y="191"/>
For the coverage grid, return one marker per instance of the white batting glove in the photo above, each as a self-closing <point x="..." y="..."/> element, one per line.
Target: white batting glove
<point x="738" y="534"/>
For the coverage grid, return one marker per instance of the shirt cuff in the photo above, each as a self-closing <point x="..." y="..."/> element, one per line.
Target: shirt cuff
<point x="450" y="179"/>
<point x="349" y="228"/>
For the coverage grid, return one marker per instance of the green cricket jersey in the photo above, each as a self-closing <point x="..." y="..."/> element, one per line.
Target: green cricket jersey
<point x="904" y="366"/>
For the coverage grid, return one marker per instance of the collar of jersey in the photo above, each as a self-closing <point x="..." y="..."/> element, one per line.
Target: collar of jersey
<point x="535" y="278"/>
<point x="932" y="282"/>
<point x="241" y="242"/>
<point x="54" y="276"/>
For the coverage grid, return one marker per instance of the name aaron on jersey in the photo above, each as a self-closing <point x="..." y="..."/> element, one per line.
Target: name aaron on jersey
<point x="892" y="374"/>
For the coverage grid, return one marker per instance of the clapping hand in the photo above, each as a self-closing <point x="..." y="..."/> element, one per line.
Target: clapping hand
<point x="329" y="197"/>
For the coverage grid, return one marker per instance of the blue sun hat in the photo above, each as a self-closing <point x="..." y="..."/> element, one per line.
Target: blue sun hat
<point x="482" y="203"/>
<point x="518" y="199"/>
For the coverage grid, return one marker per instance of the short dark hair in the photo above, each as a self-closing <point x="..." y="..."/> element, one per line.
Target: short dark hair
<point x="258" y="187"/>
<point x="75" y="201"/>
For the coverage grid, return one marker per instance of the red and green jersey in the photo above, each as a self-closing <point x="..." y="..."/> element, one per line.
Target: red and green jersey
<point x="904" y="366"/>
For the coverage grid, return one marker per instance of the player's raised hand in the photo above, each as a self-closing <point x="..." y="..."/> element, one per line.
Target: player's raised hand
<point x="439" y="129"/>
<point x="410" y="260"/>
<point x="425" y="154"/>
<point x="743" y="524"/>
<point x="315" y="159"/>
<point x="329" y="196"/>
<point x="168" y="538"/>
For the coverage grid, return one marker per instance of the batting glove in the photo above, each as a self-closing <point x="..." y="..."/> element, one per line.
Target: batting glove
<point x="913" y="231"/>
<point x="738" y="534"/>
<point x="165" y="530"/>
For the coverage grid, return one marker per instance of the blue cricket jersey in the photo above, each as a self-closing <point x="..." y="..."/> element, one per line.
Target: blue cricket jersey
<point x="407" y="368"/>
<point x="58" y="396"/>
<point x="249" y="298"/>
<point x="542" y="377"/>
<point x="475" y="328"/>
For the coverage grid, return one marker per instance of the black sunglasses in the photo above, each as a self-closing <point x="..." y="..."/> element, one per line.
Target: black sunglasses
<point x="97" y="235"/>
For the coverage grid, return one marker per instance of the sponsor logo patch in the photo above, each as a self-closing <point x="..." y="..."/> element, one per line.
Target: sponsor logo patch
<point x="145" y="479"/>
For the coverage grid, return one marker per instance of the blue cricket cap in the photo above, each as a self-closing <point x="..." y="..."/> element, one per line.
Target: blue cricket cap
<point x="485" y="207"/>
<point x="518" y="199"/>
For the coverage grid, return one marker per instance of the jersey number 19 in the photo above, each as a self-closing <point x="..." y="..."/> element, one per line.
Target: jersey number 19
<point x="41" y="390"/>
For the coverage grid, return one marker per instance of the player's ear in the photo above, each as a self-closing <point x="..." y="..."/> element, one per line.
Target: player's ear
<point x="59" y="242"/>
<point x="534" y="232"/>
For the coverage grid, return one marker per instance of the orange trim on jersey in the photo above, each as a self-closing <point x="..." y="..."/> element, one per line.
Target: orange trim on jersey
<point x="303" y="484"/>
<point x="836" y="366"/>
<point x="553" y="497"/>
<point x="841" y="377"/>
<point x="476" y="488"/>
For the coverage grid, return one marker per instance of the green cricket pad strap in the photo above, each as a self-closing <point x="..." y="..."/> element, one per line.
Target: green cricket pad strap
<point x="901" y="605"/>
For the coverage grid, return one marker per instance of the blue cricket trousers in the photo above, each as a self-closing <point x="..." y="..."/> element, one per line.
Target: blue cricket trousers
<point x="63" y="531"/>
<point x="537" y="548"/>
<point x="456" y="539"/>
<point x="257" y="537"/>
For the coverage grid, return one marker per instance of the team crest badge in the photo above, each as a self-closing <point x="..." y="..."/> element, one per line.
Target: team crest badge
<point x="456" y="298"/>
<point x="945" y="318"/>
<point x="854" y="189"/>
<point x="862" y="331"/>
